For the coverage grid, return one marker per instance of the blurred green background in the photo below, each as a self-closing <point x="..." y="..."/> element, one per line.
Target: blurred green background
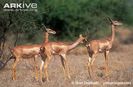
<point x="68" y="18"/>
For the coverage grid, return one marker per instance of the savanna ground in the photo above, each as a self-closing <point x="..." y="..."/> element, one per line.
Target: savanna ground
<point x="120" y="64"/>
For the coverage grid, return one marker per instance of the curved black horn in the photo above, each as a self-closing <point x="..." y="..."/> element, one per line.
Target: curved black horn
<point x="43" y="26"/>
<point x="110" y="19"/>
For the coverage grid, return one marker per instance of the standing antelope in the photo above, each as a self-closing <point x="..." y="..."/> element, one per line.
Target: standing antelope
<point x="57" y="48"/>
<point x="28" y="51"/>
<point x="101" y="46"/>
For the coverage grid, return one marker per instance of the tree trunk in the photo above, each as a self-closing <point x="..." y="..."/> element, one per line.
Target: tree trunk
<point x="9" y="42"/>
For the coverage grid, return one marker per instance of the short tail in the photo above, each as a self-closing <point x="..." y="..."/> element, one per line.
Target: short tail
<point x="11" y="57"/>
<point x="3" y="64"/>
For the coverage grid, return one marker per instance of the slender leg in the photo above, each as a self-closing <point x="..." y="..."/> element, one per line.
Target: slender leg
<point x="92" y="67"/>
<point x="14" y="69"/>
<point x="46" y="62"/>
<point x="45" y="67"/>
<point x="65" y="65"/>
<point x="89" y="67"/>
<point x="90" y="64"/>
<point x="36" y="70"/>
<point x="42" y="64"/>
<point x="106" y="61"/>
<point x="92" y="60"/>
<point x="67" y="68"/>
<point x="62" y="61"/>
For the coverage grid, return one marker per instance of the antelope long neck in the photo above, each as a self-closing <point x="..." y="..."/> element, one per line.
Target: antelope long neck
<point x="46" y="37"/>
<point x="113" y="33"/>
<point x="74" y="44"/>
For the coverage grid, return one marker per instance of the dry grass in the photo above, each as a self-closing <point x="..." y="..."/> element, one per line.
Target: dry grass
<point x="120" y="64"/>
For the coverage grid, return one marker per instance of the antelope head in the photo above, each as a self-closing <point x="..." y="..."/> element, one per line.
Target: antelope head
<point x="116" y="23"/>
<point x="50" y="31"/>
<point x="82" y="38"/>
